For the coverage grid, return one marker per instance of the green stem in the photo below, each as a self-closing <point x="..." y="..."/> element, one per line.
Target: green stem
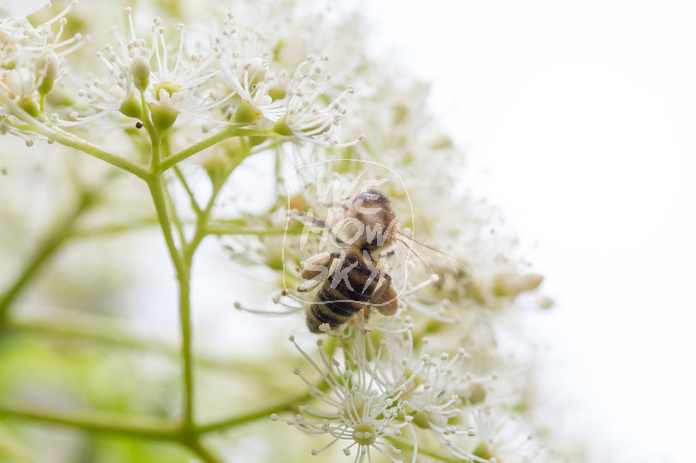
<point x="71" y="140"/>
<point x="93" y="333"/>
<point x="288" y="405"/>
<point x="221" y="229"/>
<point x="182" y="268"/>
<point x="113" y="229"/>
<point x="200" y="233"/>
<point x="186" y="351"/>
<point x="60" y="234"/>
<point x="227" y="132"/>
<point x="156" y="139"/>
<point x="175" y="217"/>
<point x="192" y="199"/>
<point x="98" y="422"/>
<point x="105" y="334"/>
<point x="204" y="452"/>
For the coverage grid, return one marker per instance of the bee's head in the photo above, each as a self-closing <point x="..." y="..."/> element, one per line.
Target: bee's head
<point x="370" y="221"/>
<point x="370" y="199"/>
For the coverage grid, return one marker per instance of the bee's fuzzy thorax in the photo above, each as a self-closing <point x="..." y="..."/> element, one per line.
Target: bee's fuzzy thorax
<point x="372" y="208"/>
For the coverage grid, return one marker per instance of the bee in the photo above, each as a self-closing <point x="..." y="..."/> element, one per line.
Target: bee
<point x="354" y="279"/>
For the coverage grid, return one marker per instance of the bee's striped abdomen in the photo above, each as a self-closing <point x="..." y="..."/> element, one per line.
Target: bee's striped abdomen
<point x="338" y="300"/>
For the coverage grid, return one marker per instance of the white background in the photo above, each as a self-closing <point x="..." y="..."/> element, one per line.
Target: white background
<point x="579" y="120"/>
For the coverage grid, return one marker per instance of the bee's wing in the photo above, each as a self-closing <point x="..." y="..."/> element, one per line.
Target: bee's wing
<point x="432" y="261"/>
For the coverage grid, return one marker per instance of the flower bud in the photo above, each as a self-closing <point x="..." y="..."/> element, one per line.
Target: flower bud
<point x="246" y="113"/>
<point x="47" y="68"/>
<point x="132" y="107"/>
<point x="140" y="70"/>
<point x="513" y="284"/>
<point x="163" y="116"/>
<point x="281" y="127"/>
<point x="30" y="105"/>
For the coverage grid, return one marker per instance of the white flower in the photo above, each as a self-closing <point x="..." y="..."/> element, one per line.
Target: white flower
<point x="444" y="396"/>
<point x="18" y="36"/>
<point x="312" y="113"/>
<point x="32" y="58"/>
<point x="360" y="407"/>
<point x="20" y="82"/>
<point x="245" y="64"/>
<point x="188" y="76"/>
<point x="506" y="438"/>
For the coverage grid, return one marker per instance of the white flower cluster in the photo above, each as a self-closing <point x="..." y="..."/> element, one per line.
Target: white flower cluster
<point x="427" y="378"/>
<point x="378" y="394"/>
<point x="224" y="78"/>
<point x="32" y="62"/>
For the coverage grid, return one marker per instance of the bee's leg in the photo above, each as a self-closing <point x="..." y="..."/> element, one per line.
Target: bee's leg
<point x="384" y="298"/>
<point x="366" y="313"/>
<point x="324" y="225"/>
<point x="316" y="270"/>
<point x="382" y="283"/>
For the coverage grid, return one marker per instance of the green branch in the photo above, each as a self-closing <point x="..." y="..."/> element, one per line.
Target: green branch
<point x="60" y="234"/>
<point x="108" y="335"/>
<point x="224" y="134"/>
<point x="221" y="229"/>
<point x="99" y="422"/>
<point x="206" y="454"/>
<point x="112" y="229"/>
<point x="183" y="276"/>
<point x="176" y="222"/>
<point x="93" y="333"/>
<point x="192" y="198"/>
<point x="221" y="425"/>
<point x="288" y="405"/>
<point x="71" y="140"/>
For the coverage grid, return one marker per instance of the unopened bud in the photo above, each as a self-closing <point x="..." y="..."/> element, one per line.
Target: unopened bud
<point x="246" y="113"/>
<point x="47" y="68"/>
<point x="281" y="127"/>
<point x="30" y="105"/>
<point x="163" y="116"/>
<point x="132" y="107"/>
<point x="140" y="70"/>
